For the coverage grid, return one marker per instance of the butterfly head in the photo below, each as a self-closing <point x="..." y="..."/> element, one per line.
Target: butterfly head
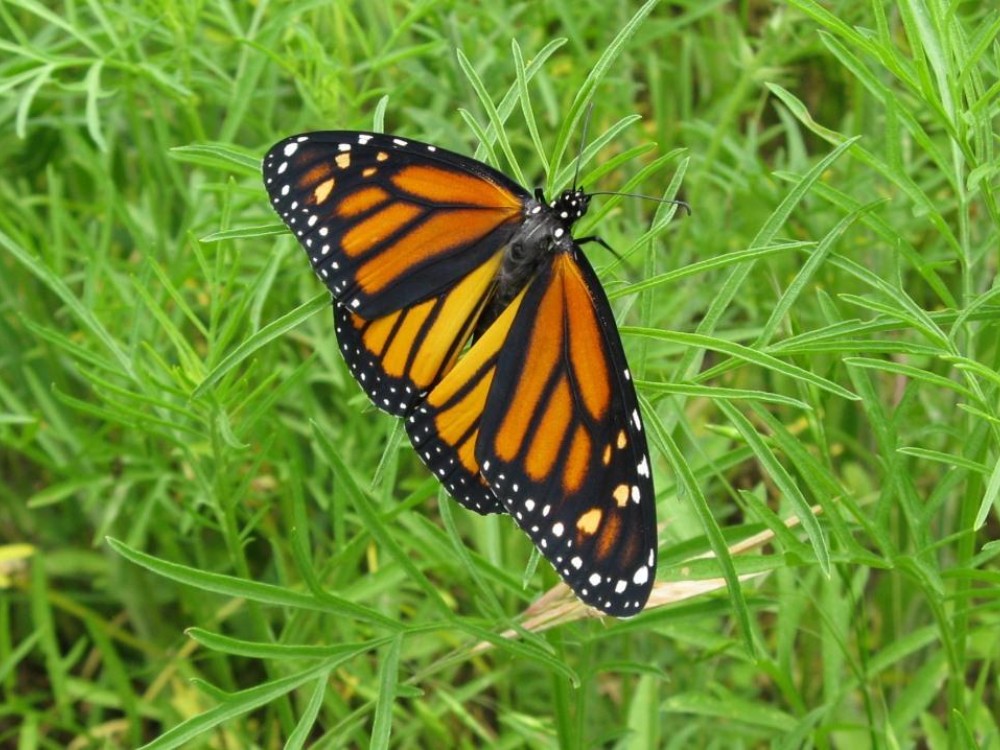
<point x="571" y="205"/>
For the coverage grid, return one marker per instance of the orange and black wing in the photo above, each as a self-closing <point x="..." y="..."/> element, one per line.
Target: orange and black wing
<point x="444" y="428"/>
<point x="541" y="412"/>
<point x="562" y="445"/>
<point x="398" y="357"/>
<point x="539" y="417"/>
<point x="389" y="222"/>
<point x="407" y="237"/>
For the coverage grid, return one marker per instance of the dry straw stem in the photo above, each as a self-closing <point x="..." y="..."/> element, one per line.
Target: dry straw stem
<point x="558" y="606"/>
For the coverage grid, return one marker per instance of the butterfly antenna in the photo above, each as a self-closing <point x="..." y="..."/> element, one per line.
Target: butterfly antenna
<point x="674" y="202"/>
<point x="583" y="142"/>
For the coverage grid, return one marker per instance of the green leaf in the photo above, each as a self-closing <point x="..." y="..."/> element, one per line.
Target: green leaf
<point x="237" y="705"/>
<point x="784" y="483"/>
<point x="273" y="330"/>
<point x="388" y="679"/>
<point x="743" y="353"/>
<point x="264" y="593"/>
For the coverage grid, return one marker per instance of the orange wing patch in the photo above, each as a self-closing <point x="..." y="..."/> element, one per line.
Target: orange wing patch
<point x="360" y="201"/>
<point x="364" y="237"/>
<point x="396" y="359"/>
<point x="448" y="187"/>
<point x="432" y="238"/>
<point x="457" y="424"/>
<point x="564" y="299"/>
<point x="405" y="352"/>
<point x="586" y="351"/>
<point x="609" y="539"/>
<point x="577" y="461"/>
<point x="541" y="355"/>
<point x="318" y="174"/>
<point x="376" y="334"/>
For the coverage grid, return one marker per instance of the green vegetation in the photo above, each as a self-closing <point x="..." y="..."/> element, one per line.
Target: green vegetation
<point x="822" y="331"/>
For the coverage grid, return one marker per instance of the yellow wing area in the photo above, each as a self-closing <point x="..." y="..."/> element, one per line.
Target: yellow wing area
<point x="445" y="428"/>
<point x="459" y="399"/>
<point x="401" y="355"/>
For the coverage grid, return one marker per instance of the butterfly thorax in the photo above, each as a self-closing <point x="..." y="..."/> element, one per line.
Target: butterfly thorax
<point x="545" y="230"/>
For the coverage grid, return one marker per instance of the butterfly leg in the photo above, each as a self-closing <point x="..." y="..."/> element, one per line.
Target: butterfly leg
<point x="599" y="241"/>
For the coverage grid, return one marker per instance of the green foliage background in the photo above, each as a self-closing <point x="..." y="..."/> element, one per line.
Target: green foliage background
<point x="822" y="331"/>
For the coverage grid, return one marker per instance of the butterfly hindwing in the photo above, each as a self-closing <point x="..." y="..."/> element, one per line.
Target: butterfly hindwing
<point x="398" y="357"/>
<point x="444" y="429"/>
<point x="561" y="442"/>
<point x="388" y="222"/>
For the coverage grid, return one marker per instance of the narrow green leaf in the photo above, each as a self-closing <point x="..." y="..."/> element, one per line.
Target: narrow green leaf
<point x="92" y="83"/>
<point x="28" y="97"/>
<point x="691" y="493"/>
<point x="743" y="353"/>
<point x="524" y="97"/>
<point x="237" y="705"/>
<point x="244" y="233"/>
<point x="222" y="156"/>
<point x="709" y="264"/>
<point x="304" y="727"/>
<point x="378" y="116"/>
<point x="908" y="371"/>
<point x="989" y="497"/>
<point x="945" y="458"/>
<point x="784" y="483"/>
<point x="273" y="330"/>
<point x="492" y="115"/>
<point x="715" y="392"/>
<point x="594" y="77"/>
<point x="387" y="684"/>
<point x="264" y="593"/>
<point x="254" y="650"/>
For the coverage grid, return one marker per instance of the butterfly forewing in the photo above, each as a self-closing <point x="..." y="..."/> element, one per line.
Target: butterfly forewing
<point x="388" y="222"/>
<point x="561" y="442"/>
<point x="407" y="237"/>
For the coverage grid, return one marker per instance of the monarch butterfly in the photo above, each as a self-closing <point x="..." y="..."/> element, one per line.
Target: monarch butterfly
<point x="425" y="250"/>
